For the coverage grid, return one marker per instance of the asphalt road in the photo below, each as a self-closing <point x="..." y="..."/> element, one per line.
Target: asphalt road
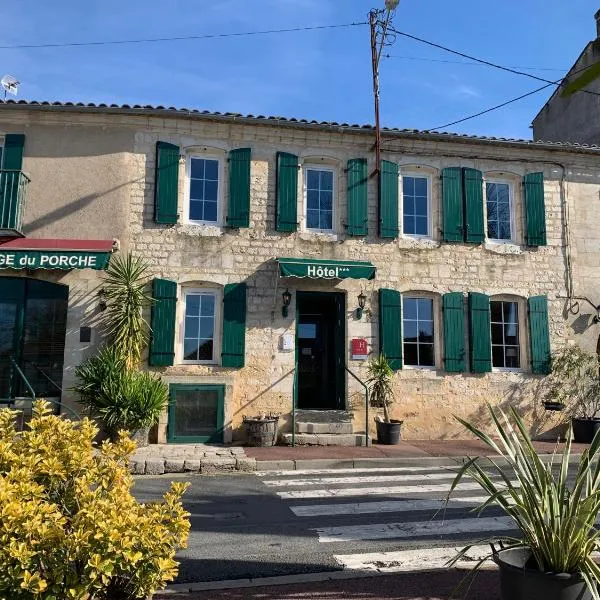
<point x="248" y="526"/>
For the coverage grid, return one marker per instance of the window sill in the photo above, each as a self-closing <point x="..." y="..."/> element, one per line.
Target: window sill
<point x="201" y="230"/>
<point x="506" y="370"/>
<point x="419" y="368"/>
<point x="417" y="243"/>
<point x="193" y="363"/>
<point x="500" y="247"/>
<point x="319" y="236"/>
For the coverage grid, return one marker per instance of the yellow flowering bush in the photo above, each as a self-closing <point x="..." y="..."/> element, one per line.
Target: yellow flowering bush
<point x="69" y="526"/>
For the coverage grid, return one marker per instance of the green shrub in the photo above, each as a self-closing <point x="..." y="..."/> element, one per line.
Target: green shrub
<point x="71" y="529"/>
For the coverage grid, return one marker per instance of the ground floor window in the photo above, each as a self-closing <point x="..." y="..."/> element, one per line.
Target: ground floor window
<point x="505" y="334"/>
<point x="196" y="413"/>
<point x="200" y="312"/>
<point x="417" y="331"/>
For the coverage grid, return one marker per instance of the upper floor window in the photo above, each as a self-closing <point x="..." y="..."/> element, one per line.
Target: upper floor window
<point x="505" y="334"/>
<point x="319" y="193"/>
<point x="416" y="210"/>
<point x="204" y="195"/>
<point x="499" y="211"/>
<point x="200" y="316"/>
<point x="417" y="331"/>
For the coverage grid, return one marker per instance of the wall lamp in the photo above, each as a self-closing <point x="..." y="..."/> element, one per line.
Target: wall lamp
<point x="362" y="299"/>
<point x="287" y="298"/>
<point x="102" y="301"/>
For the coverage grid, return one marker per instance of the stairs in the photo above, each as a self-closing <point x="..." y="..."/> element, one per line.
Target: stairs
<point x="324" y="428"/>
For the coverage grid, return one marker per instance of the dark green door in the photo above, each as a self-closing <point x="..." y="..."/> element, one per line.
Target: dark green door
<point x="320" y="351"/>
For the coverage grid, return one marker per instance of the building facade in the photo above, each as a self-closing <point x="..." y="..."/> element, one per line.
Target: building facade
<point x="278" y="269"/>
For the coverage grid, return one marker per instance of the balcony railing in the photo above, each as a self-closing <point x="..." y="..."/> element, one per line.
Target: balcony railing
<point x="13" y="187"/>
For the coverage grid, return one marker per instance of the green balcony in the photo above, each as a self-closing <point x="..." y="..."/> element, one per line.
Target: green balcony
<point x="13" y="187"/>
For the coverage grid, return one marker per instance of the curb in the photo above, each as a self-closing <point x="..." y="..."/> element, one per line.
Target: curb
<point x="206" y="465"/>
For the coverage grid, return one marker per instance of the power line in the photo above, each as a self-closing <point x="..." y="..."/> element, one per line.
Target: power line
<point x="179" y="38"/>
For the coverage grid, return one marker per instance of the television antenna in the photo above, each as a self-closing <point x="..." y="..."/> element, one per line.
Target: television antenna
<point x="10" y="85"/>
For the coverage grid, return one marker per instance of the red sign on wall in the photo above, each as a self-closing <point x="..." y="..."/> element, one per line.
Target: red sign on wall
<point x="360" y="349"/>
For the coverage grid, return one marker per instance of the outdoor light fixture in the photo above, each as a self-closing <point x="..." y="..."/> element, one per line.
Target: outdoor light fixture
<point x="287" y="298"/>
<point x="102" y="302"/>
<point x="361" y="305"/>
<point x="392" y="4"/>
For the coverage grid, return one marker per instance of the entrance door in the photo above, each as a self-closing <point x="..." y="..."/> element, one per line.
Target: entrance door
<point x="320" y="347"/>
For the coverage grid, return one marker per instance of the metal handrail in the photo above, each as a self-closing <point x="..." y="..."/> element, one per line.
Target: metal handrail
<point x="294" y="390"/>
<point x="46" y="376"/>
<point x="367" y="438"/>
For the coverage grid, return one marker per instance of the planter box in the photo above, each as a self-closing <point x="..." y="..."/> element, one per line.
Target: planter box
<point x="388" y="433"/>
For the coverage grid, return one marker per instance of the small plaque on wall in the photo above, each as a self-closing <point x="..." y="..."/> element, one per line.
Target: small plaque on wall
<point x="286" y="342"/>
<point x="360" y="349"/>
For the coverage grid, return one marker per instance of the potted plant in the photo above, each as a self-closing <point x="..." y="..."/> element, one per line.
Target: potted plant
<point x="552" y="559"/>
<point x="261" y="431"/>
<point x="574" y="384"/>
<point x="381" y="395"/>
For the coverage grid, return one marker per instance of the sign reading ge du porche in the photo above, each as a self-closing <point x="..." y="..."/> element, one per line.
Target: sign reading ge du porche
<point x="53" y="259"/>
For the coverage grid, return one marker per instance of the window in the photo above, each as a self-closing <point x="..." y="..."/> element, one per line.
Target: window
<point x="499" y="210"/>
<point x="415" y="205"/>
<point x="505" y="334"/>
<point x="417" y="332"/>
<point x="319" y="198"/>
<point x="204" y="192"/>
<point x="200" y="311"/>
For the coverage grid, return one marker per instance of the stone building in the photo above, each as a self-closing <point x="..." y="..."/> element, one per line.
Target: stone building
<point x="276" y="265"/>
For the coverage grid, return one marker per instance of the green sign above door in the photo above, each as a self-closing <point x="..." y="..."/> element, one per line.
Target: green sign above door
<point x="325" y="269"/>
<point x="53" y="259"/>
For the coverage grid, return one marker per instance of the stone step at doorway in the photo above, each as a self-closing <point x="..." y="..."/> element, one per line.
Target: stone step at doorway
<point x="324" y="428"/>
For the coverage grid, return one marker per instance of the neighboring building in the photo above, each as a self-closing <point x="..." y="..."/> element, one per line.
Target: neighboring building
<point x="569" y="115"/>
<point x="461" y="262"/>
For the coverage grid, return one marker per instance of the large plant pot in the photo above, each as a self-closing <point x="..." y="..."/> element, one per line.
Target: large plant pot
<point x="520" y="579"/>
<point x="388" y="433"/>
<point x="140" y="436"/>
<point x="261" y="433"/>
<point x="584" y="430"/>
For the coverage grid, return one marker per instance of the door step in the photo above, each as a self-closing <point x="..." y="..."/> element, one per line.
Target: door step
<point x="325" y="439"/>
<point x="337" y="428"/>
<point x="324" y="416"/>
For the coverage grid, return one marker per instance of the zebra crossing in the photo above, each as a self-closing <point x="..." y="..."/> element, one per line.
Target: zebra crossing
<point x="398" y="514"/>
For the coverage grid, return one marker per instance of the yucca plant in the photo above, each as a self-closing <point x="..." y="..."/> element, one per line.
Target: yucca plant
<point x="125" y="288"/>
<point x="381" y="393"/>
<point x="557" y="521"/>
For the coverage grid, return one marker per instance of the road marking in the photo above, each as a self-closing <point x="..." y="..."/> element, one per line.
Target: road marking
<point x="422" y="559"/>
<point x="358" y="479"/>
<point x="399" y="490"/>
<point x="383" y="531"/>
<point x="298" y="472"/>
<point x="366" y="508"/>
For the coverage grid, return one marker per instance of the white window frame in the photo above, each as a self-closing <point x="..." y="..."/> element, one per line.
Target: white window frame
<point x="188" y="184"/>
<point x="421" y="175"/>
<point x="436" y="329"/>
<point x="511" y="205"/>
<point x="522" y="329"/>
<point x="216" y="359"/>
<point x="334" y="172"/>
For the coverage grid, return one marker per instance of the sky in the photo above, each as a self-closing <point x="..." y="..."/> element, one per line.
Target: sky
<point x="322" y="74"/>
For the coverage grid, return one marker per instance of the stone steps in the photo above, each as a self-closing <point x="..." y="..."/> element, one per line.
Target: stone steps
<point x="324" y="428"/>
<point x="325" y="439"/>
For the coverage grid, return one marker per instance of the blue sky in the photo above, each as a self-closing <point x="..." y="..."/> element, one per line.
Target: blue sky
<point x="322" y="75"/>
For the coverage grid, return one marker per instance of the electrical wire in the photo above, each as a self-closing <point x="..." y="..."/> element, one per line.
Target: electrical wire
<point x="180" y="38"/>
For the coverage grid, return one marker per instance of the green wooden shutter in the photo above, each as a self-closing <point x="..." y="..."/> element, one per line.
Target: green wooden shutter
<point x="164" y="310"/>
<point x="539" y="334"/>
<point x="357" y="196"/>
<point x="390" y="327"/>
<point x="479" y="329"/>
<point x="388" y="200"/>
<point x="287" y="192"/>
<point x="473" y="189"/>
<point x="452" y="192"/>
<point x="239" y="188"/>
<point x="453" y="312"/>
<point x="233" y="348"/>
<point x="535" y="211"/>
<point x="12" y="163"/>
<point x="166" y="183"/>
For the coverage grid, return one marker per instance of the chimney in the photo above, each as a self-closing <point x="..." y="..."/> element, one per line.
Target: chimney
<point x="597" y="17"/>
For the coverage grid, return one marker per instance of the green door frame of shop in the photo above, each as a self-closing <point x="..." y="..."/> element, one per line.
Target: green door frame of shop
<point x="338" y="300"/>
<point x="217" y="435"/>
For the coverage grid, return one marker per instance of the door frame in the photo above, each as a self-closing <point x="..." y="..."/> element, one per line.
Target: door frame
<point x="339" y="337"/>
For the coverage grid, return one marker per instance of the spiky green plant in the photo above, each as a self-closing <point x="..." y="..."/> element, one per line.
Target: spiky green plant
<point x="380" y="374"/>
<point x="125" y="291"/>
<point x="557" y="521"/>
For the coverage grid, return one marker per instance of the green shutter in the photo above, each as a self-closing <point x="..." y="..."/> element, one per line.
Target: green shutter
<point x="452" y="192"/>
<point x="166" y="183"/>
<point x="388" y="200"/>
<point x="233" y="350"/>
<point x="539" y="334"/>
<point x="12" y="163"/>
<point x="473" y="188"/>
<point x="479" y="328"/>
<point x="164" y="310"/>
<point x="390" y="327"/>
<point x="535" y="211"/>
<point x="453" y="312"/>
<point x="287" y="192"/>
<point x="239" y="188"/>
<point x="358" y="177"/>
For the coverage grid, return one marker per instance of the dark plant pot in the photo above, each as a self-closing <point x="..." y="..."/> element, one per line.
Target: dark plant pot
<point x="388" y="433"/>
<point x="261" y="433"/>
<point x="584" y="430"/>
<point x="520" y="579"/>
<point x="140" y="436"/>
